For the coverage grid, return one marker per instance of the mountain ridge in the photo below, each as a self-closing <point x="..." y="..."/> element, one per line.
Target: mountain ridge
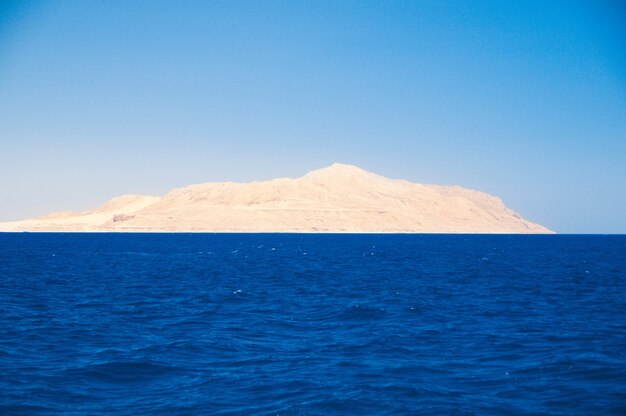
<point x="337" y="198"/>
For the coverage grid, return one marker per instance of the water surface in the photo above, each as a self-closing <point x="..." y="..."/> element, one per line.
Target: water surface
<point x="287" y="324"/>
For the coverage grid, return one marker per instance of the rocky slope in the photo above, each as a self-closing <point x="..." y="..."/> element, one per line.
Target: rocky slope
<point x="339" y="198"/>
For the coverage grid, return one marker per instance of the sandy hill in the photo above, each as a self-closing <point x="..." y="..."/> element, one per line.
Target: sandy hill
<point x="339" y="198"/>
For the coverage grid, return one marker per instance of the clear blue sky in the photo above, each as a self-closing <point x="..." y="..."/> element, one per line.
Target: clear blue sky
<point x="525" y="100"/>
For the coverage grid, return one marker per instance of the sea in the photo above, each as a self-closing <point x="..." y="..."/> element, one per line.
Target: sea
<point x="312" y="324"/>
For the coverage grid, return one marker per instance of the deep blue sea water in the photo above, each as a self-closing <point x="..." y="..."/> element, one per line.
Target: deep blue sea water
<point x="287" y="324"/>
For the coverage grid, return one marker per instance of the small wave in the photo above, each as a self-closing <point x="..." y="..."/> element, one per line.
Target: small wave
<point x="21" y="409"/>
<point x="121" y="372"/>
<point x="363" y="312"/>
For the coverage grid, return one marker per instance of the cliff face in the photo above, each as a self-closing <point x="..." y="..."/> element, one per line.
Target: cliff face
<point x="339" y="198"/>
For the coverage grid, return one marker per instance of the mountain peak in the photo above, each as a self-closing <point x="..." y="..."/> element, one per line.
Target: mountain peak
<point x="339" y="170"/>
<point x="342" y="166"/>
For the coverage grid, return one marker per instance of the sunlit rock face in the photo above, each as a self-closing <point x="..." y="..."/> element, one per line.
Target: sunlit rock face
<point x="339" y="198"/>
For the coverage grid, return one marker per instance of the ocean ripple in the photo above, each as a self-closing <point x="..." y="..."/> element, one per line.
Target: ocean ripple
<point x="230" y="324"/>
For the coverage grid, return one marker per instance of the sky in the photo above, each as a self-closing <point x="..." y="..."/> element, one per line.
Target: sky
<point x="523" y="100"/>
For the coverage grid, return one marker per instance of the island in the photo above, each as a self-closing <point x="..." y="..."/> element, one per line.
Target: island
<point x="340" y="198"/>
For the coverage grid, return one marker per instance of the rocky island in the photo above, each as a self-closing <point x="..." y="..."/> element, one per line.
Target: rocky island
<point x="336" y="199"/>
